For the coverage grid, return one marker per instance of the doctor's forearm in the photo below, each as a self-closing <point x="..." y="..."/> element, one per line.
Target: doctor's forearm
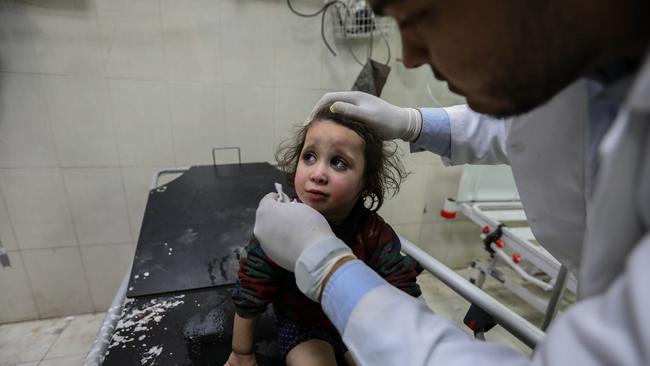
<point x="382" y="325"/>
<point x="435" y="135"/>
<point x="338" y="265"/>
<point x="462" y="136"/>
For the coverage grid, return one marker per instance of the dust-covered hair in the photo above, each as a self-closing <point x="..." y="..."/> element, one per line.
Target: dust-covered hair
<point x="383" y="172"/>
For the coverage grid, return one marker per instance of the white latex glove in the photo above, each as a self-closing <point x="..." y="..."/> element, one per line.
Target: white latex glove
<point x="299" y="239"/>
<point x="390" y="121"/>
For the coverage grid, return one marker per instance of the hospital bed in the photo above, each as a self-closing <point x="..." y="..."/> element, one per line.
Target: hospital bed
<point x="186" y="318"/>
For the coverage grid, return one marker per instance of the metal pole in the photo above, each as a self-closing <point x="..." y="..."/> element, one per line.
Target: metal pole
<point x="556" y="296"/>
<point x="153" y="182"/>
<point x="511" y="321"/>
<point x="96" y="354"/>
<point x="215" y="149"/>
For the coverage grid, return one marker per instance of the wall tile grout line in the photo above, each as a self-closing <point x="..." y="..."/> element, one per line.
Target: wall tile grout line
<point x="52" y="344"/>
<point x="76" y="236"/>
<point x="19" y="250"/>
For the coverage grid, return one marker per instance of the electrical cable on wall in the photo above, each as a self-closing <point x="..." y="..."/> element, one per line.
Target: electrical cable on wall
<point x="360" y="23"/>
<point x="322" y="12"/>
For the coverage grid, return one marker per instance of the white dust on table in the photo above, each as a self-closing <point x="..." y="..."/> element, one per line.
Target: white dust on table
<point x="151" y="355"/>
<point x="134" y="323"/>
<point x="188" y="237"/>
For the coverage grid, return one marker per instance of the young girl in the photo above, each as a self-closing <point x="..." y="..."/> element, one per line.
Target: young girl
<point x="338" y="166"/>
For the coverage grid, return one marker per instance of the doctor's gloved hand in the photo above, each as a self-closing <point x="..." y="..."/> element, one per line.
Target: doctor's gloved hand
<point x="390" y="121"/>
<point x="299" y="239"/>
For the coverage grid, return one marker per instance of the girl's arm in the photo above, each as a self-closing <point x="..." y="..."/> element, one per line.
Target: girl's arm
<point x="243" y="336"/>
<point x="397" y="269"/>
<point x="257" y="285"/>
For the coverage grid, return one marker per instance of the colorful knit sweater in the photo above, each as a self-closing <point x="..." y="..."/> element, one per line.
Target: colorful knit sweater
<point x="372" y="240"/>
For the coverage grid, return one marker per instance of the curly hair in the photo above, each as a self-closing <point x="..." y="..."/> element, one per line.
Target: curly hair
<point x="383" y="172"/>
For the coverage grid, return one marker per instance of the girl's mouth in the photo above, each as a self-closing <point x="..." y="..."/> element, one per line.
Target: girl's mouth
<point x="316" y="195"/>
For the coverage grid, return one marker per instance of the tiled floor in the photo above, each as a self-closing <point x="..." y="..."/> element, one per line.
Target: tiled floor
<point x="65" y="341"/>
<point x="49" y="342"/>
<point x="444" y="301"/>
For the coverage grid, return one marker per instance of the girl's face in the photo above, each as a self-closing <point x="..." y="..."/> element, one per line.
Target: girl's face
<point x="329" y="176"/>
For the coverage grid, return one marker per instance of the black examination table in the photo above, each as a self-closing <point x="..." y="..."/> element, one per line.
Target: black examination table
<point x="174" y="306"/>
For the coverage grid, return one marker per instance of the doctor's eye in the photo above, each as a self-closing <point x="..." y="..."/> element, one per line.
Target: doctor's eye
<point x="412" y="19"/>
<point x="339" y="164"/>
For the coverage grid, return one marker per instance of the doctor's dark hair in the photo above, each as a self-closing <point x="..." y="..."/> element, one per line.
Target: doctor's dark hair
<point x="383" y="172"/>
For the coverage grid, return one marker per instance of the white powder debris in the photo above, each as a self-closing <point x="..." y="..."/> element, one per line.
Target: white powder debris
<point x="135" y="321"/>
<point x="151" y="355"/>
<point x="146" y="274"/>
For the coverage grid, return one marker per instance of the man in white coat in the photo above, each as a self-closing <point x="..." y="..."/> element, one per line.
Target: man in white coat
<point x="508" y="58"/>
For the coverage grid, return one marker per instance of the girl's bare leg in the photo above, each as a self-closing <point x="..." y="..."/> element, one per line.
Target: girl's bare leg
<point x="313" y="352"/>
<point x="348" y="358"/>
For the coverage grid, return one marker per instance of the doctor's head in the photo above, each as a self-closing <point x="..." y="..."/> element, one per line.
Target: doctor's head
<point x="510" y="56"/>
<point x="334" y="161"/>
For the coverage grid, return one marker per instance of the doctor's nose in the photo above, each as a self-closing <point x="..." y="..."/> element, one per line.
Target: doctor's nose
<point x="413" y="54"/>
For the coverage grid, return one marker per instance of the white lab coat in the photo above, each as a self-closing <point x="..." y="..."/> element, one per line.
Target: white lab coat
<point x="546" y="151"/>
<point x="609" y="324"/>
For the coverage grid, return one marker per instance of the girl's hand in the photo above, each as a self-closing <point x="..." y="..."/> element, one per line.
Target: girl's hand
<point x="238" y="359"/>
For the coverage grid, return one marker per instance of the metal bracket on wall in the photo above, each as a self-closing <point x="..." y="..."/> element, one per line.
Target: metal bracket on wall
<point x="214" y="149"/>
<point x="4" y="257"/>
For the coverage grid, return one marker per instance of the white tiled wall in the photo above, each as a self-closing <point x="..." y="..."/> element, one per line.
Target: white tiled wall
<point x="59" y="284"/>
<point x="96" y="95"/>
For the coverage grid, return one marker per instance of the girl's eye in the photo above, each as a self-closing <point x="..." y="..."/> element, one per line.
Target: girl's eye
<point x="339" y="164"/>
<point x="309" y="157"/>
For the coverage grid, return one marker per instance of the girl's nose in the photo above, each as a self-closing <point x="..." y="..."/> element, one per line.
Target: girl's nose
<point x="319" y="175"/>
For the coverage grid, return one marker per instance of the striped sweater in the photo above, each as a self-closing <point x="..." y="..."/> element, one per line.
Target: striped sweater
<point x="262" y="282"/>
